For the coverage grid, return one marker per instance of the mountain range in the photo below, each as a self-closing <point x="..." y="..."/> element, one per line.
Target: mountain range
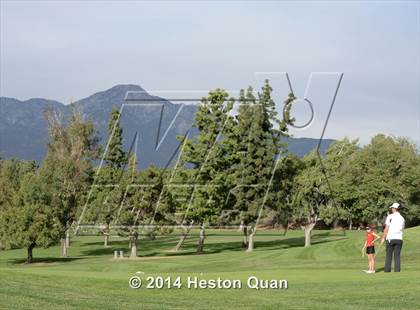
<point x="150" y="124"/>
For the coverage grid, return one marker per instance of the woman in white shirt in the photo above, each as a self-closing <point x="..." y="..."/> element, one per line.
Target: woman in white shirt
<point x="393" y="234"/>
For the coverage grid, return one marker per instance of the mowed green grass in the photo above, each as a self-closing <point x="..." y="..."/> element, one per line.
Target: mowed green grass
<point x="327" y="275"/>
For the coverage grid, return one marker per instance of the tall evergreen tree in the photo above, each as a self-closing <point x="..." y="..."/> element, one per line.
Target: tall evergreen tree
<point x="108" y="192"/>
<point x="115" y="156"/>
<point x="259" y="144"/>
<point x="207" y="153"/>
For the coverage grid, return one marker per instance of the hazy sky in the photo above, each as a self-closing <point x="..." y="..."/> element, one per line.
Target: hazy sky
<point x="68" y="50"/>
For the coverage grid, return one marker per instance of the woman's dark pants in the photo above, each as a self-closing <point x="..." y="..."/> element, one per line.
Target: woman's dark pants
<point x="393" y="246"/>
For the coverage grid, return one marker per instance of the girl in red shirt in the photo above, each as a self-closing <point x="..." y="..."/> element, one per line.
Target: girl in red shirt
<point x="369" y="245"/>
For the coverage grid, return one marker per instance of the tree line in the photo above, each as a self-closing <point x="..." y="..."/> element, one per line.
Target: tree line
<point x="235" y="172"/>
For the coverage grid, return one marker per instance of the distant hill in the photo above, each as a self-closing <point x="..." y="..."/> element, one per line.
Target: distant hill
<point x="23" y="130"/>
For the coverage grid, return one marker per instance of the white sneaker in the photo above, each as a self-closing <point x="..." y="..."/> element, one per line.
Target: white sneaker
<point x="366" y="271"/>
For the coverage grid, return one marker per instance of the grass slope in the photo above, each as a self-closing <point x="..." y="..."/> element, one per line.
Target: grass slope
<point x="325" y="276"/>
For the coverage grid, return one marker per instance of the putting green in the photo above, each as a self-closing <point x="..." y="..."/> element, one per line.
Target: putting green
<point x="328" y="275"/>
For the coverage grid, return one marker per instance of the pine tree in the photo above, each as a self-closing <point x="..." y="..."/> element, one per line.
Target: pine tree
<point x="115" y="156"/>
<point x="108" y="193"/>
<point x="259" y="144"/>
<point x="207" y="153"/>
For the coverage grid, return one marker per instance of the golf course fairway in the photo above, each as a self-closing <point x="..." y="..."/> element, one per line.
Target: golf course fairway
<point x="327" y="275"/>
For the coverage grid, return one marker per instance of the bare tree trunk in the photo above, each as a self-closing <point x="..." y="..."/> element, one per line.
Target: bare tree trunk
<point x="245" y="236"/>
<point x="181" y="241"/>
<point x="308" y="232"/>
<point x="63" y="247"/>
<point x="335" y="224"/>
<point x="286" y="228"/>
<point x="241" y="226"/>
<point x="184" y="236"/>
<point x="201" y="238"/>
<point x="106" y="234"/>
<point x="67" y="238"/>
<point x="251" y="239"/>
<point x="133" y="244"/>
<point x="29" y="258"/>
<point x="350" y="224"/>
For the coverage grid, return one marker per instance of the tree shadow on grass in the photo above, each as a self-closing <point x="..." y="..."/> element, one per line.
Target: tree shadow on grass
<point x="276" y="244"/>
<point x="113" y="243"/>
<point x="44" y="260"/>
<point x="236" y="246"/>
<point x="144" y="244"/>
<point x="331" y="233"/>
<point x="161" y="244"/>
